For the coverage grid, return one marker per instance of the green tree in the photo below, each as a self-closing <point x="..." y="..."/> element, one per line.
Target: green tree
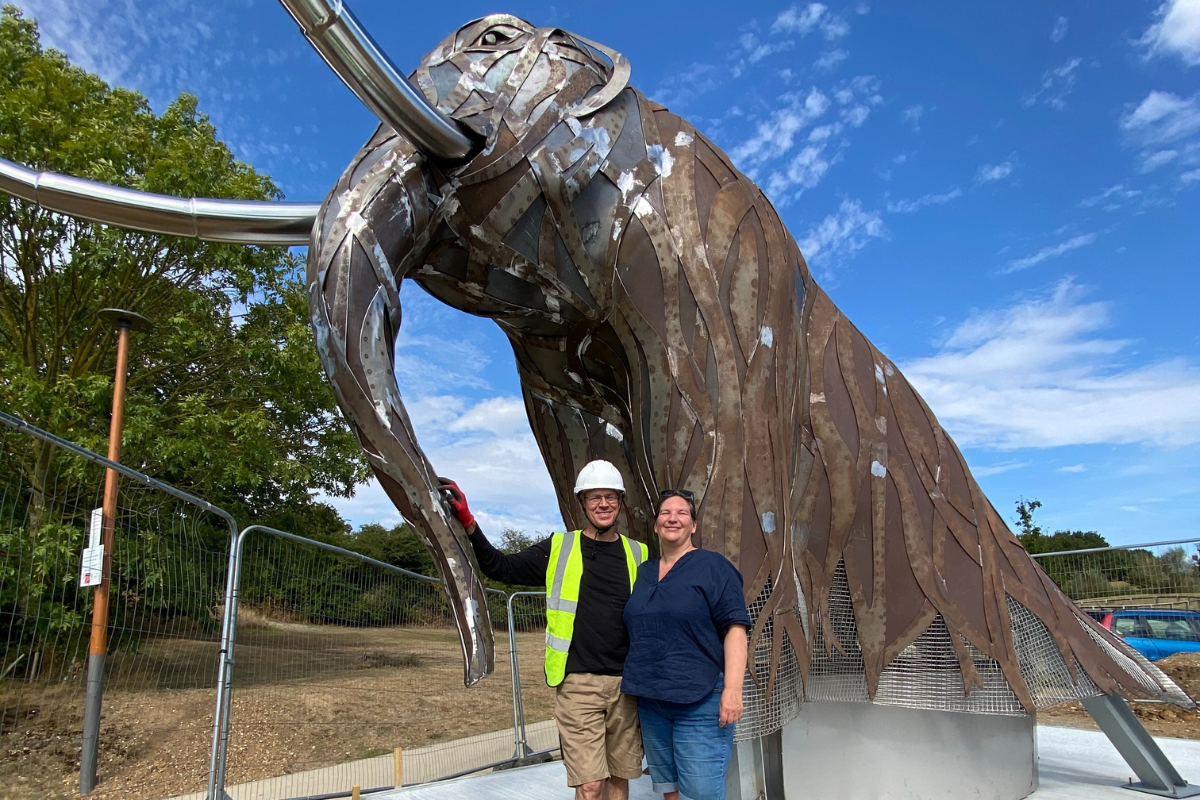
<point x="514" y="541"/>
<point x="225" y="396"/>
<point x="1030" y="536"/>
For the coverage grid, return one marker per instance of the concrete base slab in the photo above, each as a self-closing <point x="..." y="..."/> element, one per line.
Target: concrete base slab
<point x="1083" y="765"/>
<point x="1072" y="765"/>
<point x="860" y="751"/>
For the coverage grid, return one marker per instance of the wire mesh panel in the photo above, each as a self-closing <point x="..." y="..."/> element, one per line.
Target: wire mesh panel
<point x="167" y="586"/>
<point x="338" y="661"/>
<point x="1162" y="575"/>
<point x="765" y="713"/>
<point x="537" y="698"/>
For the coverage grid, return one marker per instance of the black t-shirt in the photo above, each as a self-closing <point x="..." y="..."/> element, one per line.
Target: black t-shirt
<point x="599" y="644"/>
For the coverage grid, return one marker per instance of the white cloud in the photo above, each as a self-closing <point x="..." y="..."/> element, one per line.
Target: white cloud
<point x="1152" y="161"/>
<point x="757" y="50"/>
<point x="1059" y="32"/>
<point x="842" y="234"/>
<point x="1073" y="468"/>
<point x="679" y="88"/>
<point x="1040" y="373"/>
<point x="803" y="20"/>
<point x="486" y="446"/>
<point x="1112" y="194"/>
<point x="805" y="171"/>
<point x="1162" y="118"/>
<point x="1053" y="251"/>
<point x="996" y="469"/>
<point x="1131" y="509"/>
<point x="1190" y="177"/>
<point x="775" y="136"/>
<point x="993" y="172"/>
<point x="1175" y="32"/>
<point x="830" y="59"/>
<point x="1164" y="128"/>
<point x="1057" y="83"/>
<point x="909" y="206"/>
<point x="912" y="116"/>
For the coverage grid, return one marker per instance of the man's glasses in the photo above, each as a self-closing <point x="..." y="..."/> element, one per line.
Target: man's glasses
<point x="597" y="499"/>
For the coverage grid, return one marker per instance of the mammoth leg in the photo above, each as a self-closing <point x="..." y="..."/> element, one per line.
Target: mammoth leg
<point x="374" y="228"/>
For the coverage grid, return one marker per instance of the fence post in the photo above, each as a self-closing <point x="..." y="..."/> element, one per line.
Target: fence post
<point x="220" y="737"/>
<point x="523" y="748"/>
<point x="519" y="748"/>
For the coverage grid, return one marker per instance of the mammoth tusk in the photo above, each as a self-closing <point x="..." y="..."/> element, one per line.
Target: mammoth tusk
<point x="350" y="52"/>
<point x="237" y="221"/>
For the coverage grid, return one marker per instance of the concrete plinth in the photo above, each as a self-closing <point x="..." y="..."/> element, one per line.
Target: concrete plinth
<point x="860" y="751"/>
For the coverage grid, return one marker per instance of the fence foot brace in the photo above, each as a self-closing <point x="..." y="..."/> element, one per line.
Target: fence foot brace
<point x="1157" y="775"/>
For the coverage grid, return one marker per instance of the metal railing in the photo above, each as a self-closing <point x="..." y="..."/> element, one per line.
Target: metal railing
<point x="1151" y="575"/>
<point x="328" y="669"/>
<point x="168" y="568"/>
<point x="339" y="659"/>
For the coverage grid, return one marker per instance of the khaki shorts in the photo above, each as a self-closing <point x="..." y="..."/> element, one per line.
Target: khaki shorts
<point x="601" y="737"/>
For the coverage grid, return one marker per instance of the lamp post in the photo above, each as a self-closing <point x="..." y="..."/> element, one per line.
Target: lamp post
<point x="124" y="322"/>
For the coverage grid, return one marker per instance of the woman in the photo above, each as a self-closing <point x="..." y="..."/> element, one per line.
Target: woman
<point x="687" y="626"/>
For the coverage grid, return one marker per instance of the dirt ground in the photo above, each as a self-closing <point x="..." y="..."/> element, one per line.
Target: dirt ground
<point x="310" y="696"/>
<point x="1159" y="718"/>
<point x="304" y="697"/>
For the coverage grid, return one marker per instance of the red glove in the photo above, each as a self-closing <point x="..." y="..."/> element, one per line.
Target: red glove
<point x="457" y="501"/>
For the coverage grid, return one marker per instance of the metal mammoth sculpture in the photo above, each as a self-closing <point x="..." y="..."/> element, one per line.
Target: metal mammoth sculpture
<point x="663" y="318"/>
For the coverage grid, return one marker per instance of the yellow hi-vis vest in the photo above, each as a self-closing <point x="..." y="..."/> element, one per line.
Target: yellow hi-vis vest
<point x="562" y="595"/>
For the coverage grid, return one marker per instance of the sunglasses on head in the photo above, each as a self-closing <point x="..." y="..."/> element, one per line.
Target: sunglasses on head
<point x="684" y="493"/>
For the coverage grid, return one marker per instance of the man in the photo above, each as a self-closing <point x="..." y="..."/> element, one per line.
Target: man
<point x="588" y="576"/>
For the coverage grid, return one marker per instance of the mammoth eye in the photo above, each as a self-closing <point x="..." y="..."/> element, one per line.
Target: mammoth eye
<point x="496" y="36"/>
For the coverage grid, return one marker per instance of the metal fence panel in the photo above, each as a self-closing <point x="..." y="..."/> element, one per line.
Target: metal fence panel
<point x="528" y="623"/>
<point x="168" y="580"/>
<point x="338" y="661"/>
<point x="1162" y="575"/>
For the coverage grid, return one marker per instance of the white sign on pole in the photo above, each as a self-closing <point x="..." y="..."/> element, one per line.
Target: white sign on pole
<point x="91" y="573"/>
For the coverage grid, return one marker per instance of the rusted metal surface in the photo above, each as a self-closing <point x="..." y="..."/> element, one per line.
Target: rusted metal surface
<point x="664" y="319"/>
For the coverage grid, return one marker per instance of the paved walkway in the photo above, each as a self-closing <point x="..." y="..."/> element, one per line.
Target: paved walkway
<point x="421" y="764"/>
<point x="1073" y="765"/>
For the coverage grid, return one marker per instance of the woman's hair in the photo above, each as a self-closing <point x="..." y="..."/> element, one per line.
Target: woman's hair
<point x="666" y="494"/>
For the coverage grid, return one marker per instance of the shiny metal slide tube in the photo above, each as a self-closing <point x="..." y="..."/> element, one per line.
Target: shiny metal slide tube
<point x="237" y="221"/>
<point x="351" y="52"/>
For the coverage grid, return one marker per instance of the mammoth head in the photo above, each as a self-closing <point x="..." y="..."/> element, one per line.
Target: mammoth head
<point x="494" y="74"/>
<point x="500" y="73"/>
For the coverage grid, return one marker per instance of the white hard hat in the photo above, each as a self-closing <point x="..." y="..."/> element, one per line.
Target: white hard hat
<point x="599" y="475"/>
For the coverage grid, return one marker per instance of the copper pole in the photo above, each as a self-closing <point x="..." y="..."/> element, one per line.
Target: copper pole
<point x="98" y="648"/>
<point x="99" y="641"/>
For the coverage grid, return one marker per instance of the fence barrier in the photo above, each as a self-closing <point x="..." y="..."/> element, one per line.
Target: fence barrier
<point x="283" y="667"/>
<point x="339" y="659"/>
<point x="168" y="576"/>
<point x="1164" y="575"/>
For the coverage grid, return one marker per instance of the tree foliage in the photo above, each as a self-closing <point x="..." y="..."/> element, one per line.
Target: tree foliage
<point x="1110" y="573"/>
<point x="225" y="395"/>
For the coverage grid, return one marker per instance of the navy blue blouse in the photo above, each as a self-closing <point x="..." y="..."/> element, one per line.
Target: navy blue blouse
<point x="677" y="627"/>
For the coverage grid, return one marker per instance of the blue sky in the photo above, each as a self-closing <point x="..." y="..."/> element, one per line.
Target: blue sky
<point x="1006" y="200"/>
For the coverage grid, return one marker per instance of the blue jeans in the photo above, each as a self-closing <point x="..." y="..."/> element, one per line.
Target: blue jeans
<point x="685" y="749"/>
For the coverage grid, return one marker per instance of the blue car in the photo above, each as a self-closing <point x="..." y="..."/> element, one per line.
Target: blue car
<point x="1156" y="634"/>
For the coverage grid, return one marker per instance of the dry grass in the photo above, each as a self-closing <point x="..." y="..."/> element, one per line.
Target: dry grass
<point x="305" y="696"/>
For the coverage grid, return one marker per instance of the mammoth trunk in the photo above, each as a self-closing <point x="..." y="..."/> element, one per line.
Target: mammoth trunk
<point x="369" y="233"/>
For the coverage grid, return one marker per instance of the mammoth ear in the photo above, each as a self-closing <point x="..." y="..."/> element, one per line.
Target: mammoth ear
<point x="617" y="81"/>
